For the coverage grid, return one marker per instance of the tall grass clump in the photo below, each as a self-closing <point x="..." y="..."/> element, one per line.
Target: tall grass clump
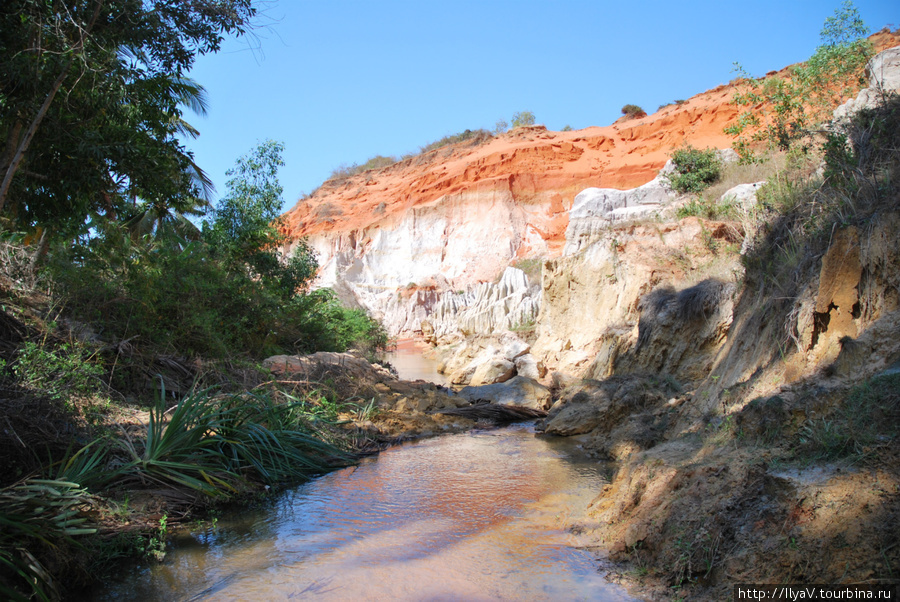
<point x="803" y="205"/>
<point x="473" y="137"/>
<point x="344" y="171"/>
<point x="864" y="424"/>
<point x="37" y="517"/>
<point x="216" y="445"/>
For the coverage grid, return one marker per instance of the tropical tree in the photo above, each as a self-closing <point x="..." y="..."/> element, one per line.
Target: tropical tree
<point x="92" y="94"/>
<point x="245" y="226"/>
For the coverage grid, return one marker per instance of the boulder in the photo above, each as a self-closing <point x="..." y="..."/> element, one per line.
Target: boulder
<point x="486" y="361"/>
<point x="520" y="391"/>
<point x="529" y="367"/>
<point x="497" y="370"/>
<point x="514" y="348"/>
<point x="574" y="420"/>
<point x="308" y="365"/>
<point x="742" y="194"/>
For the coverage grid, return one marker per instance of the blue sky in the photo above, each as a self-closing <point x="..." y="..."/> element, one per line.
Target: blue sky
<point x="339" y="81"/>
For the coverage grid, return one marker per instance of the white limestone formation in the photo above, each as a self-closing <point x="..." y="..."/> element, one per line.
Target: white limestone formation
<point x="488" y="308"/>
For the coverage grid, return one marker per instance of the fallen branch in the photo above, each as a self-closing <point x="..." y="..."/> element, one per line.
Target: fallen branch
<point x="500" y="413"/>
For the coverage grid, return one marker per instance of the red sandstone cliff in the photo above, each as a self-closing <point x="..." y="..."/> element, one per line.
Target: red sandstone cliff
<point x="541" y="170"/>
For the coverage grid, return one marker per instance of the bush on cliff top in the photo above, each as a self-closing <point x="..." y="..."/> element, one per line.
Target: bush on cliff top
<point x="633" y="111"/>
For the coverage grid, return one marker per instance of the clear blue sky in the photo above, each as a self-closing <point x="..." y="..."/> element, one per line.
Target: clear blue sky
<point x="339" y="81"/>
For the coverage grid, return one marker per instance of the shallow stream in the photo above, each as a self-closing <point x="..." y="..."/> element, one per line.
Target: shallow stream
<point x="407" y="357"/>
<point x="484" y="515"/>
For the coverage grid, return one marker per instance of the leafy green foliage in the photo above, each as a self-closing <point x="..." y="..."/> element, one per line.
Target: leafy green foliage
<point x="232" y="292"/>
<point x="244" y="222"/>
<point x="330" y="326"/>
<point x="208" y="442"/>
<point x="57" y="372"/>
<point x="522" y="118"/>
<point x="93" y="99"/>
<point x="500" y="127"/>
<point x="790" y="108"/>
<point x="217" y="444"/>
<point x="695" y="169"/>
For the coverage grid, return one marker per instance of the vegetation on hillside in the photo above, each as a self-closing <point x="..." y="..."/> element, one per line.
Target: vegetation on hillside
<point x="115" y="300"/>
<point x="825" y="181"/>
<point x="522" y="119"/>
<point x="695" y="169"/>
<point x="784" y="111"/>
<point x="473" y="137"/>
<point x="631" y="111"/>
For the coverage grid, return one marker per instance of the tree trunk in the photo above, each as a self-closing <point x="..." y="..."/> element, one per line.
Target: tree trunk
<point x="25" y="139"/>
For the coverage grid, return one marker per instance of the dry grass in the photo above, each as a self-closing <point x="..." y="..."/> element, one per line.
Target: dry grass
<point x="735" y="173"/>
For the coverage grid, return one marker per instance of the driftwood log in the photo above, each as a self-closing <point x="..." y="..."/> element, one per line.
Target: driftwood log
<point x="499" y="413"/>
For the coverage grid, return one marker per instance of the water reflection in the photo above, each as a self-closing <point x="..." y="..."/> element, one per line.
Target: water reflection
<point x="477" y="516"/>
<point x="407" y="358"/>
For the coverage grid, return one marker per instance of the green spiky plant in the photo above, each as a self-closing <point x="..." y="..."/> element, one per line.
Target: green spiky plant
<point x="37" y="512"/>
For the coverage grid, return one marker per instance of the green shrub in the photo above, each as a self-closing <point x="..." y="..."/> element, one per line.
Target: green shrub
<point x="694" y="169"/>
<point x="58" y="372"/>
<point x="633" y="111"/>
<point x="708" y="208"/>
<point x="37" y="514"/>
<point x="230" y="293"/>
<point x="522" y="119"/>
<point x="210" y="443"/>
<point x="789" y="109"/>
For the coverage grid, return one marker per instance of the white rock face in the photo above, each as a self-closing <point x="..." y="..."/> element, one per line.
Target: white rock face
<point x="596" y="209"/>
<point x="458" y="243"/>
<point x="520" y="391"/>
<point x="487" y="308"/>
<point x="742" y="194"/>
<point x="883" y="71"/>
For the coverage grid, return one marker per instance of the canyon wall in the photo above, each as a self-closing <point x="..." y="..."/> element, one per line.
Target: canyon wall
<point x="455" y="218"/>
<point x="427" y="242"/>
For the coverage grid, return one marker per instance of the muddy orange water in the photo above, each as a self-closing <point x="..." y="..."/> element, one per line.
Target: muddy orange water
<point x="485" y="515"/>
